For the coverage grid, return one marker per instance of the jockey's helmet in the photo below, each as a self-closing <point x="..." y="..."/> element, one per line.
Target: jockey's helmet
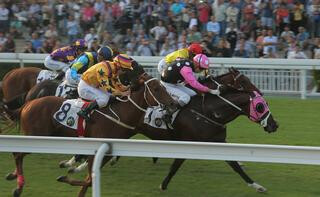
<point x="80" y="44"/>
<point x="123" y="61"/>
<point x="106" y="52"/>
<point x="202" y="61"/>
<point x="195" y="48"/>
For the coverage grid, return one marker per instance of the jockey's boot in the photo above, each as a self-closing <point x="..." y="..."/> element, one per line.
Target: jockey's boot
<point x="84" y="113"/>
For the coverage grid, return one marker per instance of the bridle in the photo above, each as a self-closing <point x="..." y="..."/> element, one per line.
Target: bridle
<point x="146" y="91"/>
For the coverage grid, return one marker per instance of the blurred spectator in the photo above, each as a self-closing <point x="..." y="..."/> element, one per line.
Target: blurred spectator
<point x="241" y="52"/>
<point x="90" y="36"/>
<point x="88" y="13"/>
<point x="9" y="46"/>
<point x="302" y="35"/>
<point x="73" y="29"/>
<point x="297" y="54"/>
<point x="259" y="42"/>
<point x="51" y="32"/>
<point x="232" y="36"/>
<point x="131" y="47"/>
<point x="94" y="45"/>
<point x="267" y="14"/>
<point x="232" y="12"/>
<point x="270" y="43"/>
<point x="207" y="47"/>
<point x="282" y="16"/>
<point x="315" y="17"/>
<point x="286" y="33"/>
<point x="194" y="35"/>
<point x="46" y="47"/>
<point x="28" y="48"/>
<point x="36" y="41"/>
<point x="213" y="25"/>
<point x="145" y="48"/>
<point x="297" y="19"/>
<point x="159" y="33"/>
<point x="4" y="18"/>
<point x="3" y="39"/>
<point x="219" y="8"/>
<point x="223" y="49"/>
<point x="203" y="13"/>
<point x="166" y="48"/>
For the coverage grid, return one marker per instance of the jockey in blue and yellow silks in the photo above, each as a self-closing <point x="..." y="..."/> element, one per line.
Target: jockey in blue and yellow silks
<point x="85" y="61"/>
<point x="101" y="81"/>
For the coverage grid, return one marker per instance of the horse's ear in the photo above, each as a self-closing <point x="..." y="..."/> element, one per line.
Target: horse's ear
<point x="234" y="70"/>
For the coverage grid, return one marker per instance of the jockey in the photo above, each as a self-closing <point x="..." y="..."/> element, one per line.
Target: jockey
<point x="182" y="70"/>
<point x="60" y="59"/>
<point x="185" y="53"/>
<point x="85" y="61"/>
<point x="101" y="81"/>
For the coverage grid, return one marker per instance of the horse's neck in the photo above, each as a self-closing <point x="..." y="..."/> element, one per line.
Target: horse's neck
<point x="217" y="109"/>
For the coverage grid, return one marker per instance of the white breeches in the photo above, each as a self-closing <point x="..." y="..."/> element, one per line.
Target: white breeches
<point x="55" y="65"/>
<point x="162" y="66"/>
<point x="88" y="92"/>
<point x="69" y="79"/>
<point x="179" y="92"/>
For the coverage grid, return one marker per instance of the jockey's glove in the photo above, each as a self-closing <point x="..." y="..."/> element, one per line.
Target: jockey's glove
<point x="214" y="92"/>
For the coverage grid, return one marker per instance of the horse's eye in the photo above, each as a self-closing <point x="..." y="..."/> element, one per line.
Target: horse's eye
<point x="260" y="108"/>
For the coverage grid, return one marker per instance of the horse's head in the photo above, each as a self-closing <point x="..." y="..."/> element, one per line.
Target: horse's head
<point x="259" y="112"/>
<point x="154" y="93"/>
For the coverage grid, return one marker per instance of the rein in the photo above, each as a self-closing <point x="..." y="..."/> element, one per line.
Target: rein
<point x="146" y="90"/>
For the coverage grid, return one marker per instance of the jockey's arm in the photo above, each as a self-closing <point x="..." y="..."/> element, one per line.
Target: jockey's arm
<point x="79" y="63"/>
<point x="188" y="76"/>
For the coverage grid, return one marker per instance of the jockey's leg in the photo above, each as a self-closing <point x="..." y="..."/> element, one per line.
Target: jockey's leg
<point x="69" y="79"/>
<point x="55" y="65"/>
<point x="176" y="93"/>
<point x="99" y="97"/>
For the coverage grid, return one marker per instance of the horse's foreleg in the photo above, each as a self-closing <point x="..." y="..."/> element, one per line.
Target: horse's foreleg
<point x="19" y="173"/>
<point x="80" y="168"/>
<point x="67" y="163"/>
<point x="237" y="168"/>
<point x="173" y="169"/>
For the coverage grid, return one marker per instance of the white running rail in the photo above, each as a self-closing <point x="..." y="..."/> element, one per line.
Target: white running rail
<point x="161" y="149"/>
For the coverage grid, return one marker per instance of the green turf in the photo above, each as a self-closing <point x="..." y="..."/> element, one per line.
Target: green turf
<point x="299" y="125"/>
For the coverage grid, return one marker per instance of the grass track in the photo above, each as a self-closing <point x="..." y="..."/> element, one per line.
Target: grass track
<point x="138" y="177"/>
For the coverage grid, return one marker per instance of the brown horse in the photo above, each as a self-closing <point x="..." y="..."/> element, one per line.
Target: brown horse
<point x="36" y="119"/>
<point x="19" y="81"/>
<point x="205" y="117"/>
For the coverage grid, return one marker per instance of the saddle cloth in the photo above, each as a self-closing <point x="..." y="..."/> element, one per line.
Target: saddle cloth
<point x="67" y="115"/>
<point x="64" y="89"/>
<point x="153" y="117"/>
<point x="46" y="74"/>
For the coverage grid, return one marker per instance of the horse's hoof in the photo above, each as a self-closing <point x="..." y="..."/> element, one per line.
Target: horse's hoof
<point x="63" y="164"/>
<point x="11" y="176"/>
<point x="162" y="188"/>
<point x="71" y="170"/>
<point x="16" y="192"/>
<point x="259" y="188"/>
<point x="62" y="178"/>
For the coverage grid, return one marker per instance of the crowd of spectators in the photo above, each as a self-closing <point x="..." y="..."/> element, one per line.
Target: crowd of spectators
<point x="225" y="28"/>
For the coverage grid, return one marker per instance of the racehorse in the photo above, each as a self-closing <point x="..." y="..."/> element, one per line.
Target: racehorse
<point x="36" y="119"/>
<point x="18" y="82"/>
<point x="204" y="119"/>
<point x="210" y="114"/>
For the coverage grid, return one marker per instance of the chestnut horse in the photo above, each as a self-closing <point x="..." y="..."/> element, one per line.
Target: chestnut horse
<point x="36" y="119"/>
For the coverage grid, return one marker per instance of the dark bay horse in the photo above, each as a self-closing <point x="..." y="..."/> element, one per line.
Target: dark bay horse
<point x="36" y="119"/>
